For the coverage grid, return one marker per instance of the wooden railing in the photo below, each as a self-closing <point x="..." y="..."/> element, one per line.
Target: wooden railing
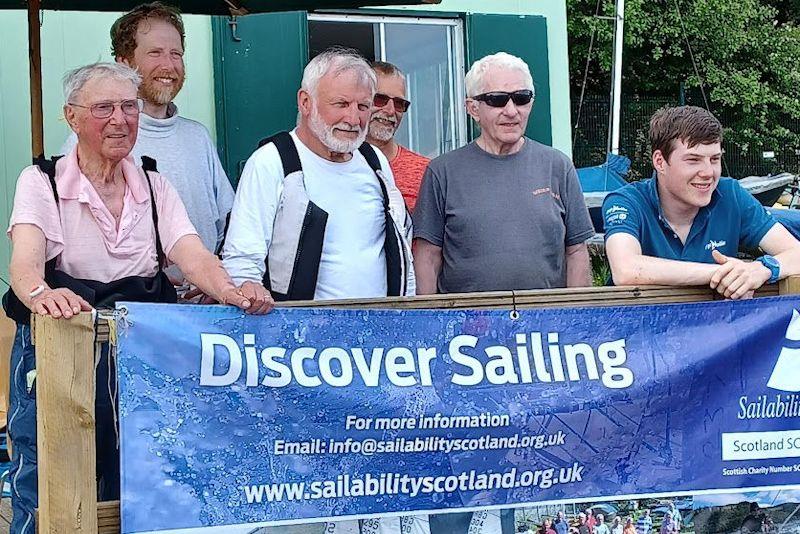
<point x="66" y="385"/>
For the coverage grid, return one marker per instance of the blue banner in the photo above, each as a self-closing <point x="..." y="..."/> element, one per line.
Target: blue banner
<point x="312" y="414"/>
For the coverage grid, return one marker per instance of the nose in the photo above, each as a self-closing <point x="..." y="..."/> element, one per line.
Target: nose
<point x="117" y="116"/>
<point x="707" y="170"/>
<point x="388" y="104"/>
<point x="510" y="108"/>
<point x="354" y="115"/>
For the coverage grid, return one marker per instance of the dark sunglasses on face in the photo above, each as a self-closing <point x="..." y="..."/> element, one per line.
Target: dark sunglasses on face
<point x="400" y="104"/>
<point x="499" y="99"/>
<point x="103" y="110"/>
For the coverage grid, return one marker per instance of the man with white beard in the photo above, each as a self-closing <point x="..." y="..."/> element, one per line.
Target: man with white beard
<point x="390" y="106"/>
<point x="317" y="214"/>
<point x="150" y="38"/>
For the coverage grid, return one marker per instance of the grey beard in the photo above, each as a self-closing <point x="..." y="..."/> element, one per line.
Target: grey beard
<point x="381" y="132"/>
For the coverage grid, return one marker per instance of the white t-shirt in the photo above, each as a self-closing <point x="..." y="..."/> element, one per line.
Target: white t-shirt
<point x="353" y="263"/>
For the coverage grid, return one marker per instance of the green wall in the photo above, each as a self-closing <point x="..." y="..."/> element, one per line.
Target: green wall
<point x="71" y="39"/>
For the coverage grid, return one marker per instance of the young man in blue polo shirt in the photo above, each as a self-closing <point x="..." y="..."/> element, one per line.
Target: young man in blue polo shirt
<point x="686" y="225"/>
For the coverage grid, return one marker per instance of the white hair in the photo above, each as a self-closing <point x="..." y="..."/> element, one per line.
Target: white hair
<point x="335" y="61"/>
<point x="477" y="73"/>
<point x="74" y="80"/>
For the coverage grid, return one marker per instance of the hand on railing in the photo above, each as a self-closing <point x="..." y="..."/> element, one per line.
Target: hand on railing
<point x="250" y="296"/>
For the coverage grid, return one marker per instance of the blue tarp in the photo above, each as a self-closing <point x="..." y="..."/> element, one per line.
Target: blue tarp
<point x="606" y="177"/>
<point x="789" y="218"/>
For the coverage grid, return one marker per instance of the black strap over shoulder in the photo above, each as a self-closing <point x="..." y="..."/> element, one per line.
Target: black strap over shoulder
<point x="287" y="150"/>
<point x="149" y="165"/>
<point x="392" y="241"/>
<point x="48" y="166"/>
<point x="371" y="156"/>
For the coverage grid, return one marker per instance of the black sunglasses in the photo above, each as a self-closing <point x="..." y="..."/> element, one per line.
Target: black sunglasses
<point x="400" y="104"/>
<point x="499" y="99"/>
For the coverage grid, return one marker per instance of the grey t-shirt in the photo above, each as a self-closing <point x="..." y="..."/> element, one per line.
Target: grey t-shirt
<point x="503" y="222"/>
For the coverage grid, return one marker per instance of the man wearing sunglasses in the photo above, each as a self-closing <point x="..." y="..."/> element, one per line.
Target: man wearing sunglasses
<point x="150" y="38"/>
<point x="390" y="105"/>
<point x="504" y="212"/>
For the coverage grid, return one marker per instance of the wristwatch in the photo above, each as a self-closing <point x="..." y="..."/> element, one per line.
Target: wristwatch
<point x="773" y="265"/>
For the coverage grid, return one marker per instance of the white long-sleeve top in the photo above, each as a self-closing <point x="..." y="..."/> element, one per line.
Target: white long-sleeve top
<point x="353" y="263"/>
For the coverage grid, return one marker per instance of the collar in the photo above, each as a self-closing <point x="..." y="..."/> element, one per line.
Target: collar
<point x="159" y="127"/>
<point x="73" y="184"/>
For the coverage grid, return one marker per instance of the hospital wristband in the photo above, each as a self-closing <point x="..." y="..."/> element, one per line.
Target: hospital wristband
<point x="36" y="291"/>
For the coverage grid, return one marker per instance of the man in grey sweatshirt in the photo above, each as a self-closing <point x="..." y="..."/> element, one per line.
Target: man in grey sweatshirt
<point x="150" y="38"/>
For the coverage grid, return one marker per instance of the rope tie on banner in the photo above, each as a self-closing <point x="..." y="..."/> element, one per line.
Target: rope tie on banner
<point x="514" y="315"/>
<point x="121" y="320"/>
<point x="116" y="320"/>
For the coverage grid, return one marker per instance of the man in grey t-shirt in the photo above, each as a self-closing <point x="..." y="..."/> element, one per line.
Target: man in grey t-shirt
<point x="503" y="212"/>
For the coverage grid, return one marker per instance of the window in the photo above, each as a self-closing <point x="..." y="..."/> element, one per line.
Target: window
<point x="431" y="53"/>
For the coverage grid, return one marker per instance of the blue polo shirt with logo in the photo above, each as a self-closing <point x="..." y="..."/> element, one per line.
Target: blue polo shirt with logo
<point x="733" y="219"/>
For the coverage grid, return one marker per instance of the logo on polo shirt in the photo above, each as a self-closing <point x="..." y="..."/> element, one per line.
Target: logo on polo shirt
<point x="786" y="374"/>
<point x="616" y="214"/>
<point x="713" y="245"/>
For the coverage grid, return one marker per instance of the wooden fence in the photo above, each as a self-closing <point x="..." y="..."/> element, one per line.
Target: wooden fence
<point x="66" y="385"/>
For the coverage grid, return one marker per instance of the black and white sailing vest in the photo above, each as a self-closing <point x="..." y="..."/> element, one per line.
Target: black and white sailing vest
<point x="293" y="257"/>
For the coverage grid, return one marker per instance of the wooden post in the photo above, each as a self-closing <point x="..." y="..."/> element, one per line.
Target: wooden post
<point x="35" y="63"/>
<point x="65" y="391"/>
<point x="789" y="286"/>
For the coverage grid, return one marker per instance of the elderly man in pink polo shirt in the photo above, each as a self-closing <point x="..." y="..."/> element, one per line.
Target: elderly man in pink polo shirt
<point x="88" y="230"/>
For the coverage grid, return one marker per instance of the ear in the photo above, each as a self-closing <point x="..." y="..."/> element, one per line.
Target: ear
<point x="472" y="109"/>
<point x="125" y="61"/>
<point x="69" y="116"/>
<point x="659" y="161"/>
<point x="304" y="102"/>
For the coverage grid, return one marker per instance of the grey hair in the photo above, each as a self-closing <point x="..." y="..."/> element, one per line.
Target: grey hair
<point x="336" y="60"/>
<point x="477" y="73"/>
<point x="74" y="80"/>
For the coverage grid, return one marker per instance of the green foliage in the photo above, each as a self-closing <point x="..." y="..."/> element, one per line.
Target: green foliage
<point x="601" y="272"/>
<point x="747" y="52"/>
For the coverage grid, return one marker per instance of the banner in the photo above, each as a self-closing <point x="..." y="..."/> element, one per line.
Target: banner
<point x="304" y="415"/>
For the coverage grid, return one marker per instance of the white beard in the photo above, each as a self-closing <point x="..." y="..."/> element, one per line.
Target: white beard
<point x="325" y="134"/>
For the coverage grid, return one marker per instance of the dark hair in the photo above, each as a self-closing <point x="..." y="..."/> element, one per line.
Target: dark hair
<point x="690" y="124"/>
<point x="123" y="32"/>
<point x="388" y="69"/>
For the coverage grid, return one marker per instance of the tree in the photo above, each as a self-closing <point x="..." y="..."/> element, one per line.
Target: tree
<point x="745" y="51"/>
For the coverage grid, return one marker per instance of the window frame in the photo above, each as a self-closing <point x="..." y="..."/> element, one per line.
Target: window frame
<point x="455" y="47"/>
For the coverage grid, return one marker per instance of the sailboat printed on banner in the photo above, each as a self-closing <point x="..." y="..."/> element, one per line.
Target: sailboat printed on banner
<point x="786" y="375"/>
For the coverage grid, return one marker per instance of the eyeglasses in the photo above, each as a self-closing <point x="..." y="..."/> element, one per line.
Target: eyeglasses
<point x="499" y="99"/>
<point x="400" y="104"/>
<point x="103" y="110"/>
